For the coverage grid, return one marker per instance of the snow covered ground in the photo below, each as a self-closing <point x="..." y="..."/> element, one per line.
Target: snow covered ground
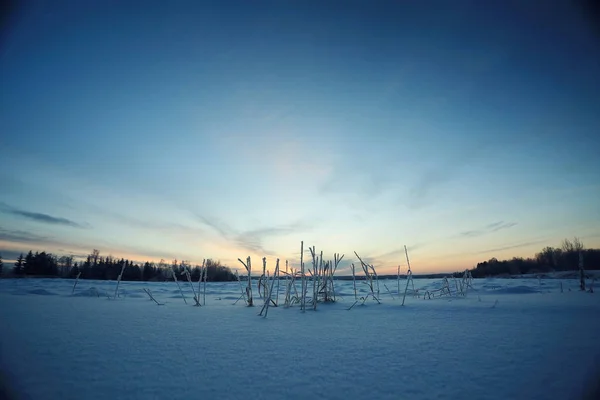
<point x="507" y="339"/>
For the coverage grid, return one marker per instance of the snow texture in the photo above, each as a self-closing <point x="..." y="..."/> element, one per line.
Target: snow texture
<point x="507" y="339"/>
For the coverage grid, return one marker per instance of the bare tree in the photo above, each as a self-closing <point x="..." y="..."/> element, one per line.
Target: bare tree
<point x="574" y="252"/>
<point x="95" y="256"/>
<point x="574" y="246"/>
<point x="65" y="263"/>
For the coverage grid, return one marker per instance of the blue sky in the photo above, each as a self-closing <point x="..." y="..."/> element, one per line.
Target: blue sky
<point x="190" y="130"/>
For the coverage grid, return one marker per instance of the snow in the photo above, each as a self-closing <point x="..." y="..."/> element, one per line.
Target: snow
<point x="508" y="338"/>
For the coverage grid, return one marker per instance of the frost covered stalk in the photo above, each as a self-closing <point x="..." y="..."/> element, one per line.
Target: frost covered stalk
<point x="265" y="277"/>
<point x="200" y="279"/>
<point x="467" y="281"/>
<point x="336" y="262"/>
<point x="408" y="262"/>
<point x="204" y="286"/>
<point x="286" y="300"/>
<point x="248" y="266"/>
<point x="318" y="279"/>
<point x="398" y="281"/>
<point x="408" y="276"/>
<point x="119" y="281"/>
<point x="260" y="283"/>
<point x="177" y="282"/>
<point x="291" y="299"/>
<point x="376" y="279"/>
<point x="243" y="296"/>
<point x="76" y="280"/>
<point x="354" y="281"/>
<point x="581" y="273"/>
<point x="149" y="293"/>
<point x="368" y="281"/>
<point x="303" y="277"/>
<point x="315" y="275"/>
<point x="277" y="292"/>
<point x="269" y="293"/>
<point x="385" y="286"/>
<point x="189" y="279"/>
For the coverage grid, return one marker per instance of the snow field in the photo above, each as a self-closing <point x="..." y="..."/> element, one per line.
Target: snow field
<point x="510" y="338"/>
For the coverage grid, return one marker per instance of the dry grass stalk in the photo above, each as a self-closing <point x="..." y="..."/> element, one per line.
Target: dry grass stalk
<point x="200" y="279"/>
<point x="409" y="277"/>
<point x="177" y="282"/>
<point x="76" y="281"/>
<point x="398" y="280"/>
<point x="248" y="266"/>
<point x="243" y="296"/>
<point x="370" y="274"/>
<point x="303" y="277"/>
<point x="268" y="297"/>
<point x="263" y="281"/>
<point x="388" y="290"/>
<point x="119" y="281"/>
<point x="149" y="293"/>
<point x="188" y="275"/>
<point x="354" y="281"/>
<point x="277" y="290"/>
<point x="204" y="285"/>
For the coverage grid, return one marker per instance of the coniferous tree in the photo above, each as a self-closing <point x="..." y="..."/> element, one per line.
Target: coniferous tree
<point x="147" y="272"/>
<point x="108" y="268"/>
<point x="86" y="268"/>
<point x="570" y="256"/>
<point x="29" y="264"/>
<point x="19" y="268"/>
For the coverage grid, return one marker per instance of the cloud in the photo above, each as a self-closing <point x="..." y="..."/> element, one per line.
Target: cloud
<point x="172" y="227"/>
<point x="345" y="182"/>
<point x="149" y="224"/>
<point x="46" y="218"/>
<point x="39" y="217"/>
<point x="252" y="240"/>
<point x="513" y="246"/>
<point x="494" y="227"/>
<point x="20" y="236"/>
<point x="219" y="226"/>
<point x="441" y="171"/>
<point x="278" y="230"/>
<point x="400" y="253"/>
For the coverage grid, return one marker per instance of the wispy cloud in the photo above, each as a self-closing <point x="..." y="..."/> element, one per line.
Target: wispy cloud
<point x="442" y="171"/>
<point x="494" y="227"/>
<point x="400" y="253"/>
<point x="251" y="240"/>
<point x="216" y="224"/>
<point x="39" y="217"/>
<point x="158" y="225"/>
<point x="151" y="223"/>
<point x="10" y="235"/>
<point x="512" y="246"/>
<point x="346" y="181"/>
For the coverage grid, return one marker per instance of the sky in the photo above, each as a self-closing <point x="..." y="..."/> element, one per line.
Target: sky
<point x="463" y="130"/>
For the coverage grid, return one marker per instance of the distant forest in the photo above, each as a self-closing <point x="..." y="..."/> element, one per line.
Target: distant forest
<point x="564" y="258"/>
<point x="98" y="267"/>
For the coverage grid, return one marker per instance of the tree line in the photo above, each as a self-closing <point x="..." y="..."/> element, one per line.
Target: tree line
<point x="549" y="259"/>
<point x="96" y="266"/>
